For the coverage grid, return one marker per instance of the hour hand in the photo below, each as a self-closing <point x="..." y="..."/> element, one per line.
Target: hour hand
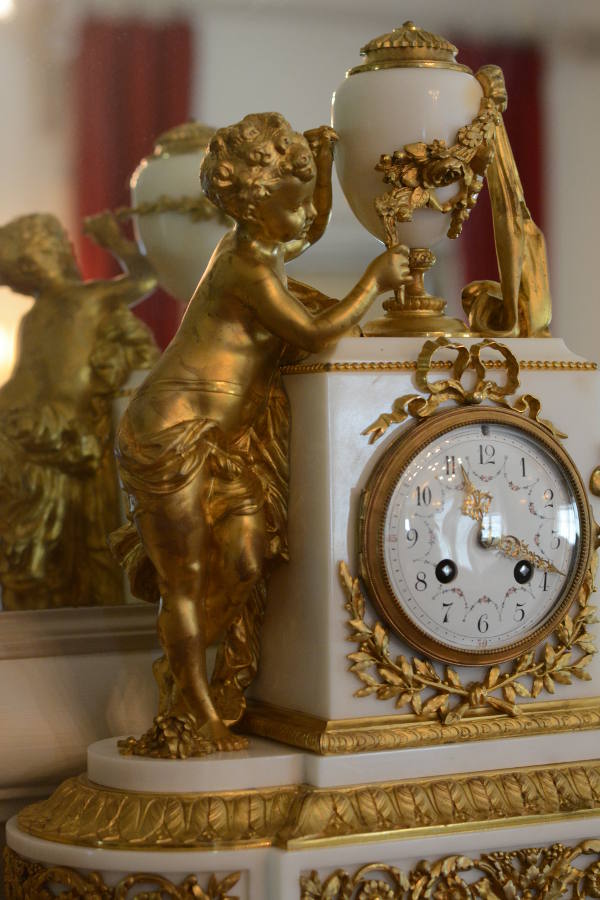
<point x="476" y="503"/>
<point x="513" y="547"/>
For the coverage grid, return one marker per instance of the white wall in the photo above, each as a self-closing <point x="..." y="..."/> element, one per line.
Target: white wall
<point x="251" y="60"/>
<point x="573" y="180"/>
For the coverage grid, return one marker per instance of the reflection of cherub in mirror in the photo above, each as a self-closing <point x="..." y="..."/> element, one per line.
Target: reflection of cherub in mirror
<point x="77" y="345"/>
<point x="202" y="448"/>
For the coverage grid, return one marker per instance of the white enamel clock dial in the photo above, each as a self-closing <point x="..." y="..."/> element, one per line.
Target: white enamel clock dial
<point x="477" y="535"/>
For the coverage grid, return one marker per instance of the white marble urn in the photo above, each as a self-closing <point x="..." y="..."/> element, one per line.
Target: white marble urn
<point x="175" y="225"/>
<point x="410" y="89"/>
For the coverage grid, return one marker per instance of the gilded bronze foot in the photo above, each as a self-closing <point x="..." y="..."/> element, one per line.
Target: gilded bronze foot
<point x="180" y="737"/>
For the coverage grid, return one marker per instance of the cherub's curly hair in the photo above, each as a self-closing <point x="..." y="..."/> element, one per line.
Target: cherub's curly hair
<point x="245" y="161"/>
<point x="23" y="238"/>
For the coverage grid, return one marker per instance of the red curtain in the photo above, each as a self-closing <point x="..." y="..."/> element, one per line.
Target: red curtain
<point x="523" y="73"/>
<point x="132" y="82"/>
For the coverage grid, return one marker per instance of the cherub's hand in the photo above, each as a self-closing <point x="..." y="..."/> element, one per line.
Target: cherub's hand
<point x="104" y="229"/>
<point x="391" y="270"/>
<point x="321" y="141"/>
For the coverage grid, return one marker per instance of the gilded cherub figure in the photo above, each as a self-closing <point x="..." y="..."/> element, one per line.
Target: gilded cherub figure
<point x="202" y="447"/>
<point x="59" y="495"/>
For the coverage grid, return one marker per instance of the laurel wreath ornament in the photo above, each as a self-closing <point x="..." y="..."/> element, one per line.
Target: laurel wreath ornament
<point x="417" y="684"/>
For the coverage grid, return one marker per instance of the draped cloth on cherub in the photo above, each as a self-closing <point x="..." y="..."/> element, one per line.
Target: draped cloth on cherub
<point x="240" y="478"/>
<point x="520" y="304"/>
<point x="243" y="477"/>
<point x="59" y="494"/>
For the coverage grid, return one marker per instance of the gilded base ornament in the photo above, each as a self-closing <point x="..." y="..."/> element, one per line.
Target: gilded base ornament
<point x="170" y="737"/>
<point x="533" y="872"/>
<point x="27" y="880"/>
<point x="294" y="816"/>
<point x="401" y="730"/>
<point x="413" y="312"/>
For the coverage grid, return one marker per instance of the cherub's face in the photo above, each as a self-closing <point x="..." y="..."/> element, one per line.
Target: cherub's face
<point x="288" y="211"/>
<point x="30" y="262"/>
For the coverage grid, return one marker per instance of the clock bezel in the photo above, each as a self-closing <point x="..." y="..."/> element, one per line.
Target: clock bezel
<point x="375" y="500"/>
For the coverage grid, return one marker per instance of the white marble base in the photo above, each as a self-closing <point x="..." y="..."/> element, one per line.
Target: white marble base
<point x="270" y="764"/>
<point x="264" y="764"/>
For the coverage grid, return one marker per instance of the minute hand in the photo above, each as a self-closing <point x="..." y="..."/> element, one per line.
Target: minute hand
<point x="511" y="546"/>
<point x="475" y="503"/>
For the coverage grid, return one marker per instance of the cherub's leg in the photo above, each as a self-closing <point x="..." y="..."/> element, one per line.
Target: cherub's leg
<point x="178" y="541"/>
<point x="242" y="564"/>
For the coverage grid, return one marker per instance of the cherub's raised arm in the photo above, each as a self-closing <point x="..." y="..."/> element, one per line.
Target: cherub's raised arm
<point x="285" y="316"/>
<point x="139" y="278"/>
<point x="320" y="140"/>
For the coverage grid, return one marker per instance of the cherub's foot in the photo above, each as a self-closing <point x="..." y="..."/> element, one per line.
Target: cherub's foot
<point x="179" y="737"/>
<point x="217" y="734"/>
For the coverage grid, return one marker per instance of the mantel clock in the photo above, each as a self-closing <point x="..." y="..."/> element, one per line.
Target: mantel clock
<point x="476" y="535"/>
<point x="413" y="707"/>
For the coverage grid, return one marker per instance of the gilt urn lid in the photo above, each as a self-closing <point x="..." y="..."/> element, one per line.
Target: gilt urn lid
<point x="185" y="138"/>
<point x="407" y="47"/>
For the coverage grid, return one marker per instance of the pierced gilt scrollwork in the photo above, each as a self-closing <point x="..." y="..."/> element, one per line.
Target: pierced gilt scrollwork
<point x="428" y="693"/>
<point x="467" y="361"/>
<point x="533" y="872"/>
<point x="28" y="880"/>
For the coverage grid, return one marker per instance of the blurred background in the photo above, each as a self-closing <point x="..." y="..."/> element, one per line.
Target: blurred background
<point x="87" y="85"/>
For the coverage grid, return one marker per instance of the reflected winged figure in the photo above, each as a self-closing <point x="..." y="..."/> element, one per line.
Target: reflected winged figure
<point x="202" y="448"/>
<point x="59" y="495"/>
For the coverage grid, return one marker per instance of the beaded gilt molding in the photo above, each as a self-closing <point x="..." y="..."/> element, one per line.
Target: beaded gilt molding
<point x="533" y="872"/>
<point x="470" y="361"/>
<point x="542" y="365"/>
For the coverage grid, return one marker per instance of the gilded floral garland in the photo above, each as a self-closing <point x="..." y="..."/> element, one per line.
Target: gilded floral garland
<point x="198" y="208"/>
<point x="416" y="682"/>
<point x="418" y="170"/>
<point x="28" y="880"/>
<point x="534" y="872"/>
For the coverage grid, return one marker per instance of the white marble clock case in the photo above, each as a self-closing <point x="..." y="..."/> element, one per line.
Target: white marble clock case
<point x="304" y="665"/>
